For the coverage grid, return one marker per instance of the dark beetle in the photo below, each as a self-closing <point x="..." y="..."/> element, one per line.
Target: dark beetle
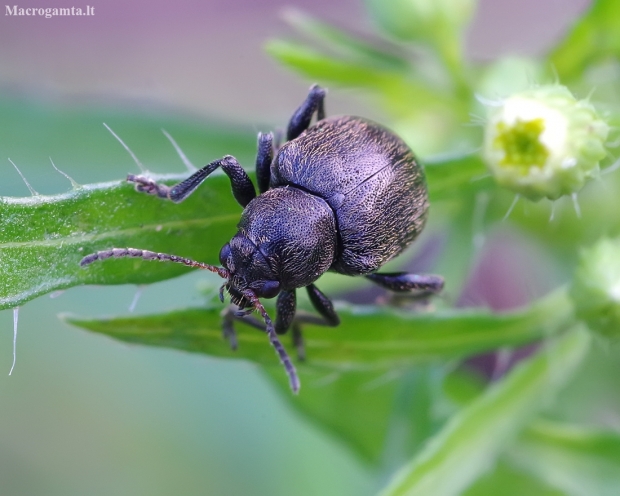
<point x="345" y="195"/>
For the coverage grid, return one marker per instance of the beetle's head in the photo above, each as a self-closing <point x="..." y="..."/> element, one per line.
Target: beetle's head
<point x="248" y="269"/>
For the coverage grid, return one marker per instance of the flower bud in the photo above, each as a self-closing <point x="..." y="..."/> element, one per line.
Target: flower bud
<point x="543" y="142"/>
<point x="596" y="287"/>
<point x="421" y="19"/>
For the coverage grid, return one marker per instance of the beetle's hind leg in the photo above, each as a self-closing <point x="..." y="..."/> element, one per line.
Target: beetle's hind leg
<point x="264" y="157"/>
<point x="403" y="282"/>
<point x="323" y="305"/>
<point x="303" y="115"/>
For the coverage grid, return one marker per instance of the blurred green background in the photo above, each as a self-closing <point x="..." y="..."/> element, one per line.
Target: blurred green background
<point x="83" y="414"/>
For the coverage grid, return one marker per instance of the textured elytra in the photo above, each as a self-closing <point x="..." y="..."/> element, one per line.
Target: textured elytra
<point x="370" y="179"/>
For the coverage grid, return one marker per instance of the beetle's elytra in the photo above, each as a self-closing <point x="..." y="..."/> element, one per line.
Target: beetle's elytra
<point x="345" y="195"/>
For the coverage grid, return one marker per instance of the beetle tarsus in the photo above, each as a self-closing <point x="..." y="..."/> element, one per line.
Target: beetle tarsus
<point x="146" y="185"/>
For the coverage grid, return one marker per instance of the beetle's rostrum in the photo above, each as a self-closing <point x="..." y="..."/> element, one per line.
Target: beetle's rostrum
<point x="345" y="195"/>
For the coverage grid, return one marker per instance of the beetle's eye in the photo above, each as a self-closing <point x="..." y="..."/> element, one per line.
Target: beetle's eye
<point x="225" y="254"/>
<point x="269" y="289"/>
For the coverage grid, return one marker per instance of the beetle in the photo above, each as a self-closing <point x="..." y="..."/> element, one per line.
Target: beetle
<point x="345" y="195"/>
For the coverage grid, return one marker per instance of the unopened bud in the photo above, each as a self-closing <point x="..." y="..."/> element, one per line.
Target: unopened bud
<point x="421" y="19"/>
<point x="596" y="287"/>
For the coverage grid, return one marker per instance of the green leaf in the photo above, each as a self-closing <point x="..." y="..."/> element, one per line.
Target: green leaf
<point x="397" y="404"/>
<point x="594" y="38"/>
<point x="581" y="461"/>
<point x="317" y="65"/>
<point x="473" y="438"/>
<point x="344" y="43"/>
<point x="349" y="378"/>
<point x="369" y="338"/>
<point x="402" y="93"/>
<point x="44" y="238"/>
<point x="438" y="23"/>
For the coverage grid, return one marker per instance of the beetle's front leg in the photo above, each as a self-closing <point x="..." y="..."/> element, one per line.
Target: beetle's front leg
<point x="286" y="315"/>
<point x="231" y="314"/>
<point x="146" y="185"/>
<point x="242" y="187"/>
<point x="285" y="310"/>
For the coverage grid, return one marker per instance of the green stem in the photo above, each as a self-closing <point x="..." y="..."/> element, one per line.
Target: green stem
<point x="472" y="439"/>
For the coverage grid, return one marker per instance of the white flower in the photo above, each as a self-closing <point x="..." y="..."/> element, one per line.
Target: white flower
<point x="544" y="143"/>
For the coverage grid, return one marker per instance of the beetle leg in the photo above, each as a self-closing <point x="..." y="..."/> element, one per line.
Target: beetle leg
<point x="286" y="317"/>
<point x="402" y="282"/>
<point x="285" y="310"/>
<point x="303" y="115"/>
<point x="323" y="305"/>
<point x="242" y="187"/>
<point x="264" y="156"/>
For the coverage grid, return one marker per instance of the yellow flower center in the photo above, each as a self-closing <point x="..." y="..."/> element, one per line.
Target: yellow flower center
<point x="521" y="144"/>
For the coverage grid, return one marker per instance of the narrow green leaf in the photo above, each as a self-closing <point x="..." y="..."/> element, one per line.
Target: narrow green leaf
<point x="369" y="338"/>
<point x="594" y="38"/>
<point x="581" y="461"/>
<point x="317" y="65"/>
<point x="43" y="238"/>
<point x="472" y="439"/>
<point x="335" y="39"/>
<point x="402" y="94"/>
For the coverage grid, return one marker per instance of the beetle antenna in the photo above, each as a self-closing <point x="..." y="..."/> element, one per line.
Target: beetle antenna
<point x="275" y="342"/>
<point x="151" y="255"/>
